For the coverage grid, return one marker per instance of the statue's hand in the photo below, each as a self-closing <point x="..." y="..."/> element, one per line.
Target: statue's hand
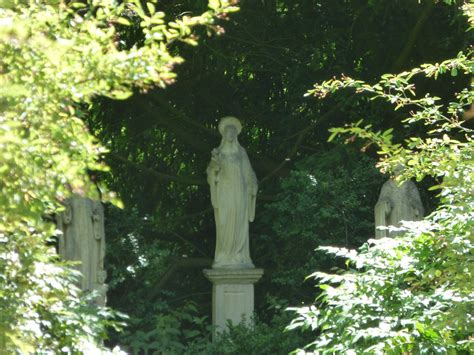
<point x="215" y="161"/>
<point x="417" y="212"/>
<point x="384" y="205"/>
<point x="215" y="171"/>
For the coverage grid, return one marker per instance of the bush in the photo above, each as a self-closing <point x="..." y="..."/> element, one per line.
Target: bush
<point x="412" y="294"/>
<point x="328" y="199"/>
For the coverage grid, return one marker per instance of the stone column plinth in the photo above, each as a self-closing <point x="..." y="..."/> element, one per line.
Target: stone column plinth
<point x="232" y="295"/>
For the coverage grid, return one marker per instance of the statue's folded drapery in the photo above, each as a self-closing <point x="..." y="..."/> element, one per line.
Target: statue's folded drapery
<point x="82" y="240"/>
<point x="233" y="192"/>
<point x="397" y="202"/>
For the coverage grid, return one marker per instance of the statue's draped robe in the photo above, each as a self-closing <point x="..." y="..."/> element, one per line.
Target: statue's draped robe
<point x="83" y="240"/>
<point x="397" y="203"/>
<point x="233" y="188"/>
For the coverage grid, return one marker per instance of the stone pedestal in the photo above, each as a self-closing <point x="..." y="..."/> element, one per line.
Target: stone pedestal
<point x="232" y="295"/>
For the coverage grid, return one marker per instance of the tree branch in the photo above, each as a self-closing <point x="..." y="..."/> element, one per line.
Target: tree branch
<point x="178" y="263"/>
<point x="264" y="163"/>
<point x="302" y="134"/>
<point x="397" y="65"/>
<point x="162" y="176"/>
<point x="201" y="251"/>
<point x="410" y="42"/>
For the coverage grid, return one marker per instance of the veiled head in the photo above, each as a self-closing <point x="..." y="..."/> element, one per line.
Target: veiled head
<point x="398" y="170"/>
<point x="229" y="121"/>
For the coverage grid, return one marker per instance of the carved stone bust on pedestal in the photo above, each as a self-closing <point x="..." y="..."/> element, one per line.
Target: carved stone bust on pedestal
<point x="396" y="203"/>
<point x="83" y="240"/>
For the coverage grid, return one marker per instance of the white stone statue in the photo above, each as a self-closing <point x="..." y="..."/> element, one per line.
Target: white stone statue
<point x="233" y="187"/>
<point x="397" y="203"/>
<point x="83" y="240"/>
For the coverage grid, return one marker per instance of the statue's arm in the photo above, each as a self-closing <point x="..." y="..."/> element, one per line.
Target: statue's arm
<point x="253" y="197"/>
<point x="415" y="201"/>
<point x="213" y="178"/>
<point x="252" y="183"/>
<point x="63" y="219"/>
<point x="382" y="210"/>
<point x="384" y="206"/>
<point x="251" y="178"/>
<point x="384" y="203"/>
<point x="67" y="214"/>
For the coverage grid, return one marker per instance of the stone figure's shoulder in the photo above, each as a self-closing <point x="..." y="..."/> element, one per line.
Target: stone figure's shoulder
<point x="388" y="187"/>
<point x="243" y="152"/>
<point x="411" y="185"/>
<point x="407" y="188"/>
<point x="97" y="205"/>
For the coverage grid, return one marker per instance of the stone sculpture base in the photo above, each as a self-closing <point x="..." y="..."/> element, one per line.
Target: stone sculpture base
<point x="232" y="296"/>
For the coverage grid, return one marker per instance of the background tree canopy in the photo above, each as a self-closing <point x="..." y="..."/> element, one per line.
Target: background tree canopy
<point x="55" y="59"/>
<point x="412" y="293"/>
<point x="66" y="65"/>
<point x="311" y="192"/>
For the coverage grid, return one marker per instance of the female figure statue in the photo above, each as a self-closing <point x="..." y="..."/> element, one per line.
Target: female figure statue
<point x="233" y="187"/>
<point x="83" y="240"/>
<point x="397" y="203"/>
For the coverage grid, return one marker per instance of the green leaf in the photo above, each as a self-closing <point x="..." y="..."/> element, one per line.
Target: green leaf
<point x="120" y="94"/>
<point x="151" y="8"/>
<point x="123" y="21"/>
<point x="333" y="135"/>
<point x="214" y="4"/>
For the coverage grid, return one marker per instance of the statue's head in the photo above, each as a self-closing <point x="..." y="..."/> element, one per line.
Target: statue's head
<point x="229" y="128"/>
<point x="230" y="134"/>
<point x="398" y="170"/>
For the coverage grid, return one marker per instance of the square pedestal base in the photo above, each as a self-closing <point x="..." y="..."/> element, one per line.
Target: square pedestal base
<point x="232" y="296"/>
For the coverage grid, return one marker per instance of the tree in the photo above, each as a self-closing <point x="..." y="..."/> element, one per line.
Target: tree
<point x="55" y="59"/>
<point x="412" y="294"/>
<point x="273" y="51"/>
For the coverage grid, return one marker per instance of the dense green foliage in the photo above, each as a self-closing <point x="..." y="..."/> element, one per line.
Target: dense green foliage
<point x="63" y="67"/>
<point x="412" y="294"/>
<point x="54" y="60"/>
<point x="185" y="331"/>
<point x="271" y="53"/>
<point x="327" y="199"/>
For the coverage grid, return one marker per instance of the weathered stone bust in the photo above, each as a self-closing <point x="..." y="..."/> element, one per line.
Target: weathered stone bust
<point x="233" y="186"/>
<point x="397" y="203"/>
<point x="83" y="240"/>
